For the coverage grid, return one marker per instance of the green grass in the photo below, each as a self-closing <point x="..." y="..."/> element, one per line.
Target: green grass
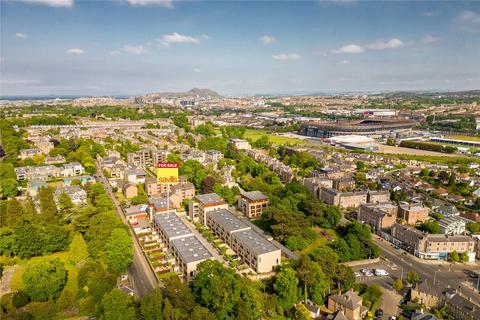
<point x="165" y="275"/>
<point x="465" y="138"/>
<point x="72" y="280"/>
<point x="255" y="134"/>
<point x="325" y="237"/>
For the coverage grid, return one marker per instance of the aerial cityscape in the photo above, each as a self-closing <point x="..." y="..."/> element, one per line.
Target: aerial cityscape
<point x="203" y="160"/>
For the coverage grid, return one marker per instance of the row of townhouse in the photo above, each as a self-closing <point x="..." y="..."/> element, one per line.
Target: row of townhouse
<point x="252" y="248"/>
<point x="283" y="171"/>
<point x="353" y="199"/>
<point x="49" y="171"/>
<point x="178" y="239"/>
<point x="432" y="246"/>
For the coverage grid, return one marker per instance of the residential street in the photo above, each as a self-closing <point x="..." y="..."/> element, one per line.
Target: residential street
<point x="446" y="276"/>
<point x="140" y="274"/>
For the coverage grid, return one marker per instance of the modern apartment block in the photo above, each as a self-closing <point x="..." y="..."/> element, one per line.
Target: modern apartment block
<point x="147" y="157"/>
<point x="343" y="199"/>
<point x="380" y="216"/>
<point x="252" y="248"/>
<point x="432" y="246"/>
<point x="413" y="213"/>
<point x="203" y="203"/>
<point x="177" y="238"/>
<point x="253" y="203"/>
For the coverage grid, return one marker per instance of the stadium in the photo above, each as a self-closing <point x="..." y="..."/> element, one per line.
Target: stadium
<point x="366" y="127"/>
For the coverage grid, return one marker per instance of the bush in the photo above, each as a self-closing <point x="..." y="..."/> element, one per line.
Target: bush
<point x="20" y="299"/>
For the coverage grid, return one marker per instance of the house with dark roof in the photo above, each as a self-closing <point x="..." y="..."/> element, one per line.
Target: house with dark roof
<point x="349" y="303"/>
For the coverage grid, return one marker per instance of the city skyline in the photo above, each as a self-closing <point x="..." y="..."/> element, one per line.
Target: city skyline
<point x="67" y="47"/>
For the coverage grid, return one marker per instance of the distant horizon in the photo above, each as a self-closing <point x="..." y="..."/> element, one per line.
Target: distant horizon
<point x="264" y="94"/>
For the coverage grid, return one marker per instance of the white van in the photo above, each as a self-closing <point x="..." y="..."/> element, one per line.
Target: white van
<point x="381" y="272"/>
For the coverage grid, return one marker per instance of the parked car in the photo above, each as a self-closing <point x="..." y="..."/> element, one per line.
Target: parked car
<point x="358" y="274"/>
<point x="380" y="272"/>
<point x="379" y="313"/>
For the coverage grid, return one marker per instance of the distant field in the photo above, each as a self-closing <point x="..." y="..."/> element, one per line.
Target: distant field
<point x="255" y="134"/>
<point x="465" y="138"/>
<point x="414" y="152"/>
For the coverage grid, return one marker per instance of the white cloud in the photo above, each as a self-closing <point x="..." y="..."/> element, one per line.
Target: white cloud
<point x="196" y="70"/>
<point x="470" y="17"/>
<point x="350" y="48"/>
<point x="286" y="56"/>
<point x="174" y="38"/>
<point x="268" y="39"/>
<point x="75" y="51"/>
<point x="344" y="62"/>
<point x="161" y="3"/>
<point x="430" y="39"/>
<point x="21" y="35"/>
<point x="390" y="44"/>
<point x="134" y="49"/>
<point x="52" y="3"/>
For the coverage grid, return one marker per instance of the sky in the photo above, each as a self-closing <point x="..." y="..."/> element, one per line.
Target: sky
<point x="133" y="47"/>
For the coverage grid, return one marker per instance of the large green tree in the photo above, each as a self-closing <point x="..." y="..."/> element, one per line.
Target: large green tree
<point x="216" y="288"/>
<point x="286" y="287"/>
<point x="45" y="279"/>
<point x="117" y="305"/>
<point x="119" y="248"/>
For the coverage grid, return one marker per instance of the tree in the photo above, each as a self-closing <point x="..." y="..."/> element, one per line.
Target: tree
<point x="312" y="279"/>
<point x="398" y="285"/>
<point x="78" y="250"/>
<point x="413" y="277"/>
<point x="64" y="202"/>
<point x="201" y="313"/>
<point x="216" y="288"/>
<point x="117" y="305"/>
<point x="119" y="248"/>
<point x="45" y="279"/>
<point x="8" y="188"/>
<point x="49" y="208"/>
<point x="453" y="256"/>
<point x="301" y="312"/>
<point x="286" y="287"/>
<point x="207" y="185"/>
<point x="55" y="238"/>
<point x="151" y="305"/>
<point x="430" y="226"/>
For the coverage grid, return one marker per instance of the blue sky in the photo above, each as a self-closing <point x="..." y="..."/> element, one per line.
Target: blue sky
<point x="140" y="46"/>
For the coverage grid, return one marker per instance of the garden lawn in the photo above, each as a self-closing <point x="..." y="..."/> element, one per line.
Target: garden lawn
<point x="325" y="236"/>
<point x="72" y="271"/>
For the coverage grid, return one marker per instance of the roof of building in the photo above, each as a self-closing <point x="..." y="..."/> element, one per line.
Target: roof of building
<point x="190" y="249"/>
<point x="451" y="220"/>
<point x="447" y="238"/>
<point x="209" y="198"/>
<point x="254" y="195"/>
<point x="254" y="242"/>
<point x="227" y="220"/>
<point x="171" y="225"/>
<point x="349" y="299"/>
